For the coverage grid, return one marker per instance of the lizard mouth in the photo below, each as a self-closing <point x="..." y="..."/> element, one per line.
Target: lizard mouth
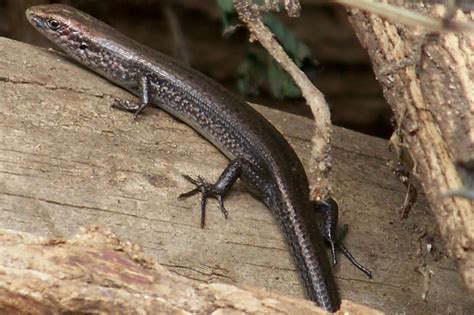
<point x="37" y="17"/>
<point x="34" y="19"/>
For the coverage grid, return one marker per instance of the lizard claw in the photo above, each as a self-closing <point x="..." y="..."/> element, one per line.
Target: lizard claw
<point x="207" y="190"/>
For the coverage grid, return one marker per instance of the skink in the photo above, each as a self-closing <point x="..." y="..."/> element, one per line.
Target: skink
<point x="259" y="154"/>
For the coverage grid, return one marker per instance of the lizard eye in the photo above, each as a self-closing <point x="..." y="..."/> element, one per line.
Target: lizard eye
<point x="54" y="24"/>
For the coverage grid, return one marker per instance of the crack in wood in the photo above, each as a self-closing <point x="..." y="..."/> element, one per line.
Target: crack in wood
<point x="257" y="246"/>
<point x="207" y="274"/>
<point x="21" y="175"/>
<point x="95" y="209"/>
<point x="55" y="88"/>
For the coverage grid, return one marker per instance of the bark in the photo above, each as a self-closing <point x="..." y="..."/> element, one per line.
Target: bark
<point x="68" y="160"/>
<point x="95" y="272"/>
<point x="427" y="79"/>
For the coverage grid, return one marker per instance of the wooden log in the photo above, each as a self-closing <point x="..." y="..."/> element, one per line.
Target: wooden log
<point x="67" y="160"/>
<point x="428" y="80"/>
<point x="97" y="272"/>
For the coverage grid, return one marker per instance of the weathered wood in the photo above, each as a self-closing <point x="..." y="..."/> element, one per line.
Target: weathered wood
<point x="428" y="80"/>
<point x="67" y="160"/>
<point x="95" y="272"/>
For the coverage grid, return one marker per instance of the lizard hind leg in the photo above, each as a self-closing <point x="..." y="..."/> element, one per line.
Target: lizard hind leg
<point x="330" y="211"/>
<point x="218" y="190"/>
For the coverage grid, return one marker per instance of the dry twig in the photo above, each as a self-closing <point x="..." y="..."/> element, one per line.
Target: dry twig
<point x="321" y="163"/>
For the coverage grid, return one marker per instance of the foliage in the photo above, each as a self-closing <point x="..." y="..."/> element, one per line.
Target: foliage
<point x="258" y="70"/>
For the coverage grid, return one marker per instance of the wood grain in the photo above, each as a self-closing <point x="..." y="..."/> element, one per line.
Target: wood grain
<point x="67" y="160"/>
<point x="428" y="81"/>
<point x="95" y="272"/>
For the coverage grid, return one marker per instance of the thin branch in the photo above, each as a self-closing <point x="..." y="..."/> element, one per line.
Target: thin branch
<point x="408" y="17"/>
<point x="321" y="163"/>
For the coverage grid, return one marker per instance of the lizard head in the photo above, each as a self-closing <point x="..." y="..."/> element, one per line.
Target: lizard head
<point x="63" y="25"/>
<point x="83" y="37"/>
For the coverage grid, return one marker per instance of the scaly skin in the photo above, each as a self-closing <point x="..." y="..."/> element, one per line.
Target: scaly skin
<point x="271" y="168"/>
